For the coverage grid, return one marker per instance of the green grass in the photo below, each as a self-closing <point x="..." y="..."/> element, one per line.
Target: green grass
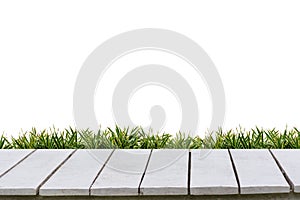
<point x="45" y="139"/>
<point x="138" y="138"/>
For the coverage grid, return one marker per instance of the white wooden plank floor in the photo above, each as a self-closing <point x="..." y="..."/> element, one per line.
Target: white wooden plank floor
<point x="142" y="172"/>
<point x="25" y="178"/>
<point x="212" y="174"/>
<point x="9" y="158"/>
<point x="122" y="174"/>
<point x="76" y="176"/>
<point x="289" y="160"/>
<point x="258" y="172"/>
<point x="167" y="173"/>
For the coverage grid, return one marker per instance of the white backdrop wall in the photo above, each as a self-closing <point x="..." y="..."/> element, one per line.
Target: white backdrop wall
<point x="255" y="46"/>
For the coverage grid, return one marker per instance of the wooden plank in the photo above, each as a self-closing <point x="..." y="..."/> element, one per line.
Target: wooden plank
<point x="167" y="173"/>
<point x="258" y="172"/>
<point x="289" y="160"/>
<point x="122" y="174"/>
<point x="25" y="178"/>
<point x="9" y="158"/>
<point x="212" y="174"/>
<point x="77" y="175"/>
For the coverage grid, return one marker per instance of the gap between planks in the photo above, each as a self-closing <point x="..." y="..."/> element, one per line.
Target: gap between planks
<point x="17" y="163"/>
<point x="144" y="173"/>
<point x="235" y="171"/>
<point x="53" y="172"/>
<point x="283" y="171"/>
<point x="98" y="174"/>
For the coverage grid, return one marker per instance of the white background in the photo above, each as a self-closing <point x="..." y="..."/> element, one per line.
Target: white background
<point x="255" y="46"/>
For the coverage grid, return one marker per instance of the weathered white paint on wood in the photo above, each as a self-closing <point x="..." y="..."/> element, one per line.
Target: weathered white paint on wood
<point x="122" y="174"/>
<point x="212" y="174"/>
<point x="76" y="176"/>
<point x="167" y="173"/>
<point x="289" y="160"/>
<point x="9" y="158"/>
<point x="258" y="172"/>
<point x="25" y="178"/>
